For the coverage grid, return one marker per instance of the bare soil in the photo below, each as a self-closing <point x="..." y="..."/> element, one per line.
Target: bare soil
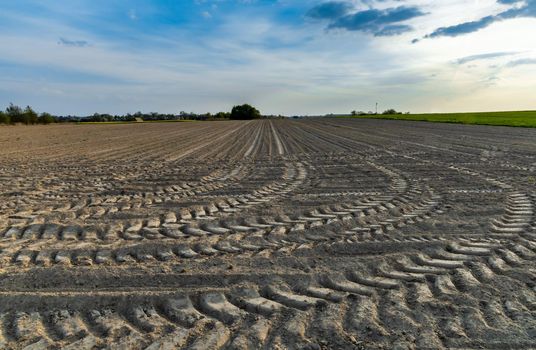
<point x="273" y="234"/>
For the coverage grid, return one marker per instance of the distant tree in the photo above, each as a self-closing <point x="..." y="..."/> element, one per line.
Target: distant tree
<point x="46" y="118"/>
<point x="245" y="112"/>
<point x="222" y="115"/>
<point x="354" y="113"/>
<point x="97" y="117"/>
<point x="29" y="116"/>
<point x="129" y="118"/>
<point x="390" y="111"/>
<point x="4" y="118"/>
<point x="14" y="113"/>
<point x="69" y="119"/>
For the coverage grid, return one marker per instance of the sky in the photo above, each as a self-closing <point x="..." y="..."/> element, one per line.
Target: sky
<point x="291" y="57"/>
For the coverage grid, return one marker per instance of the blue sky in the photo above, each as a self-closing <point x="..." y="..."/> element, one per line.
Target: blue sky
<point x="283" y="56"/>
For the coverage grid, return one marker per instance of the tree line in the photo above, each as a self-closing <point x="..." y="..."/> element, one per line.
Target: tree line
<point x="241" y="112"/>
<point x="17" y="115"/>
<point x="386" y="112"/>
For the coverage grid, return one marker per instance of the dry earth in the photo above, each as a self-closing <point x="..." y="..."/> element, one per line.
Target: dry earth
<point x="336" y="234"/>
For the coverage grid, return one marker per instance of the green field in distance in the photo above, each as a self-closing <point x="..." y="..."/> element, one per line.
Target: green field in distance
<point x="521" y="118"/>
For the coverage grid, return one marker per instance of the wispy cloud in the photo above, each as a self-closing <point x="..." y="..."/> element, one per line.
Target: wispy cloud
<point x="484" y="56"/>
<point x="519" y="9"/>
<point x="522" y="62"/>
<point x="330" y="10"/>
<point x="379" y="22"/>
<point x="72" y="43"/>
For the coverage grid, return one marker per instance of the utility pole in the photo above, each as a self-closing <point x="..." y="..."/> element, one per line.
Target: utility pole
<point x="376" y="107"/>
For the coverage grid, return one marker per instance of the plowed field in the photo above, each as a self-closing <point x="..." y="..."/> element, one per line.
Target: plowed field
<point x="272" y="234"/>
